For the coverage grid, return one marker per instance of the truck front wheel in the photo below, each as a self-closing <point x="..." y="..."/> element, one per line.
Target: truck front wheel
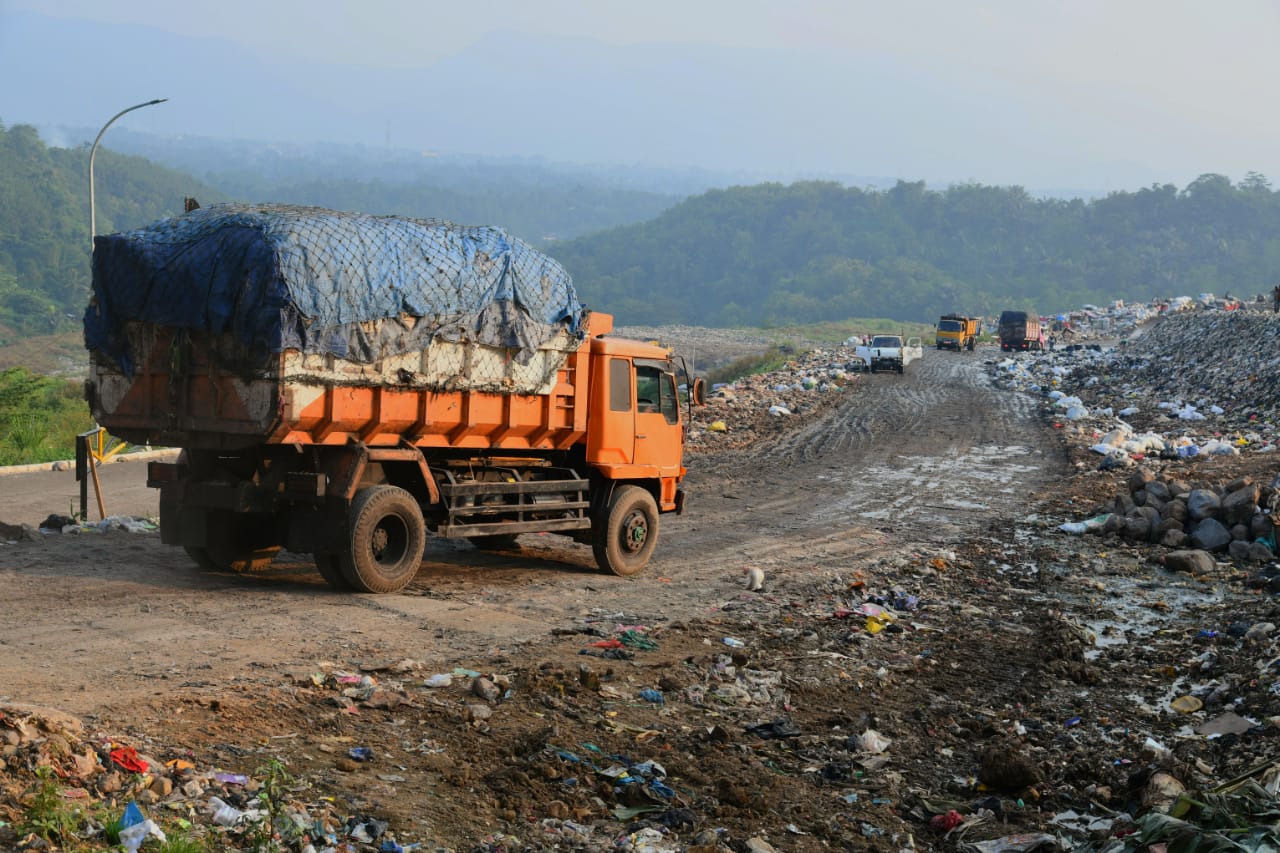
<point x="623" y="541"/>
<point x="388" y="536"/>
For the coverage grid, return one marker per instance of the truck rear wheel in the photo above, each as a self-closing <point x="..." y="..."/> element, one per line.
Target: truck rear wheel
<point x="387" y="537"/>
<point x="624" y="539"/>
<point x="238" y="543"/>
<point x="200" y="556"/>
<point x="330" y="568"/>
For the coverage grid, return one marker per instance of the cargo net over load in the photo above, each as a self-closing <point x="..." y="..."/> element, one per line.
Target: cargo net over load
<point x="321" y="296"/>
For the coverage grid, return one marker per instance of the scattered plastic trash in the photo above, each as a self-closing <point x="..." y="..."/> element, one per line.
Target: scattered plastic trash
<point x="946" y="822"/>
<point x="127" y="757"/>
<point x="440" y="679"/>
<point x="231" y="778"/>
<point x="135" y="828"/>
<point x="873" y="742"/>
<point x="634" y="639"/>
<point x="360" y="753"/>
<point x="366" y="829"/>
<point x="1087" y="526"/>
<point x="735" y="644"/>
<point x="1186" y="704"/>
<point x="653" y="696"/>
<point x="1013" y="844"/>
<point x="225" y="814"/>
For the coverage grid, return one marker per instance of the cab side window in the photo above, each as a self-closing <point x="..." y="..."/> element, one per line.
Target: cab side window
<point x="619" y="385"/>
<point x="648" y="388"/>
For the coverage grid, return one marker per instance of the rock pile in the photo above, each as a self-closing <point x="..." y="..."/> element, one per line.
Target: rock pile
<point x="1236" y="518"/>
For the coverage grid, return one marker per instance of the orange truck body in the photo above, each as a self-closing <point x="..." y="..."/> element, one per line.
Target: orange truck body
<point x="357" y="463"/>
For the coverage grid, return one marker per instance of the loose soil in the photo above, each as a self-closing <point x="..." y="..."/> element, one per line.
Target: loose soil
<point x="932" y="492"/>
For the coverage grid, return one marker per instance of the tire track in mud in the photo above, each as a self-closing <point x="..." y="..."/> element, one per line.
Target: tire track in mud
<point x="922" y="456"/>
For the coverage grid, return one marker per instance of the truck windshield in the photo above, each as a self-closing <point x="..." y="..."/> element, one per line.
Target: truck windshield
<point x="949" y="326"/>
<point x="881" y="341"/>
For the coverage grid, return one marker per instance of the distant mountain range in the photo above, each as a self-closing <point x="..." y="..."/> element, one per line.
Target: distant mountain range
<point x="723" y="116"/>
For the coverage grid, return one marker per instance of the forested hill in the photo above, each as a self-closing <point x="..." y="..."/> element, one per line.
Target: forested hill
<point x="44" y="223"/>
<point x="748" y="256"/>
<point x="772" y="254"/>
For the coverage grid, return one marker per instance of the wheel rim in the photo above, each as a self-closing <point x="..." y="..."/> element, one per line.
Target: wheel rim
<point x="635" y="530"/>
<point x="389" y="541"/>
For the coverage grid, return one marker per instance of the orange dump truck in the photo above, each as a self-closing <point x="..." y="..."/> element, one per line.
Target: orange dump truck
<point x="957" y="332"/>
<point x="341" y="385"/>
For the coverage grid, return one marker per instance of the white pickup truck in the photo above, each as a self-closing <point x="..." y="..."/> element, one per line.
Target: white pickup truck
<point x="889" y="352"/>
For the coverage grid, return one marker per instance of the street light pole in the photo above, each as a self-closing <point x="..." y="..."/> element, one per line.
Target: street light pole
<point x="93" y="222"/>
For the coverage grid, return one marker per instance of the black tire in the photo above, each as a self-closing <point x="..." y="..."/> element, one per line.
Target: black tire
<point x="330" y="568"/>
<point x="496" y="542"/>
<point x="386" y="538"/>
<point x="902" y="368"/>
<point x="625" y="538"/>
<point x="238" y="542"/>
<point x="201" y="558"/>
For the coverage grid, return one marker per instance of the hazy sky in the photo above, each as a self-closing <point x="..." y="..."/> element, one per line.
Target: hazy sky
<point x="1174" y="86"/>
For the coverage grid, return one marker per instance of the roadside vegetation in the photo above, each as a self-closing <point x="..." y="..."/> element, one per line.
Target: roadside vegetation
<point x="40" y="417"/>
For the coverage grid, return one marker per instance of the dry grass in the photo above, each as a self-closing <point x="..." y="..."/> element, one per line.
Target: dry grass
<point x="48" y="355"/>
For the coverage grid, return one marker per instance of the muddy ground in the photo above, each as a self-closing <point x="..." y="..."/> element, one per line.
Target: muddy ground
<point x="1016" y="677"/>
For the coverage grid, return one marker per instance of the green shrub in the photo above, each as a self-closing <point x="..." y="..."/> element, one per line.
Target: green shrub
<point x="40" y="417"/>
<point x="771" y="359"/>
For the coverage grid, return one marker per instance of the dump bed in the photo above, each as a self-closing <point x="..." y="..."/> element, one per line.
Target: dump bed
<point x="234" y="325"/>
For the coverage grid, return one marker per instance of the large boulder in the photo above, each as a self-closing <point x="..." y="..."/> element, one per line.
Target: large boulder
<point x="1250" y="552"/>
<point x="1202" y="504"/>
<point x="1240" y="505"/>
<point x="1210" y="535"/>
<point x="1139" y="479"/>
<point x="1191" y="561"/>
<point x="1159" y="489"/>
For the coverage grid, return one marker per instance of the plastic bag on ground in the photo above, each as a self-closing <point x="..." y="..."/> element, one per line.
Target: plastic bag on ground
<point x="135" y="829"/>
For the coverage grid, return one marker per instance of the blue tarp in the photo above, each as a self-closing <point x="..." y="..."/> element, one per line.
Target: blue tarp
<point x="359" y="287"/>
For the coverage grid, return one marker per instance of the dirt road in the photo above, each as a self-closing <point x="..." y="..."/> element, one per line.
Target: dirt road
<point x="127" y="631"/>
<point x="921" y="458"/>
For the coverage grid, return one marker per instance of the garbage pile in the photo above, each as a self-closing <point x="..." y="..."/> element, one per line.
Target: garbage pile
<point x="91" y="791"/>
<point x="1199" y="383"/>
<point x="756" y="407"/>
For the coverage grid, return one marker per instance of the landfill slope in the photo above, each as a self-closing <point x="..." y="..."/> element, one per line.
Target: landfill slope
<point x="928" y="662"/>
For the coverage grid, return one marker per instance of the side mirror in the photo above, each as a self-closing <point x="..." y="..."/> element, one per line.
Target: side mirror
<point x="698" y="392"/>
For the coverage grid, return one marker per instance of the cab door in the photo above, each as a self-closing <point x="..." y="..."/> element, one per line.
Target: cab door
<point x="659" y="438"/>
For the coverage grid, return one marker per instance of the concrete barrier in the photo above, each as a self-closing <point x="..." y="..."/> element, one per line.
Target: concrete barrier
<point x="70" y="464"/>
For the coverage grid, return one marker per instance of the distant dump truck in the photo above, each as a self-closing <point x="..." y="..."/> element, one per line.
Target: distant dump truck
<point x="957" y="332"/>
<point x="341" y="384"/>
<point x="1020" y="331"/>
